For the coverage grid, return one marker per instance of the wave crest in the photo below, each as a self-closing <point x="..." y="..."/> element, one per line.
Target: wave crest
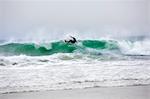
<point x="55" y="47"/>
<point x="97" y="47"/>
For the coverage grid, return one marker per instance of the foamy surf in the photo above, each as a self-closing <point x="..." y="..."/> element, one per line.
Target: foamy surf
<point x="89" y="63"/>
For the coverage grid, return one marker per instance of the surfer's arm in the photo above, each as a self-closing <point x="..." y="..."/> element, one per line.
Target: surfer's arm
<point x="73" y="38"/>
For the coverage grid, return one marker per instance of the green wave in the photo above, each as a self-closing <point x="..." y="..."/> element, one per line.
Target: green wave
<point x="33" y="49"/>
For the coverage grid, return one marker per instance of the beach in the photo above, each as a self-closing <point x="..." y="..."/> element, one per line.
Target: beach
<point x="128" y="92"/>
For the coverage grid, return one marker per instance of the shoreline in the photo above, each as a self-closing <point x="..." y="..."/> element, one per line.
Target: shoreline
<point x="124" y="92"/>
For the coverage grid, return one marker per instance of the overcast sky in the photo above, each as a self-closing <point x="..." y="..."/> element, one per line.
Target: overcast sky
<point x="91" y="18"/>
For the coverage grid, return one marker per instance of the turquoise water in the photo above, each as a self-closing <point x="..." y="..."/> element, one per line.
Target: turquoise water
<point x="33" y="49"/>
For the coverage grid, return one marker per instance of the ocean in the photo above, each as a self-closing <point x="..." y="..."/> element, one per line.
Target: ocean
<point x="55" y="65"/>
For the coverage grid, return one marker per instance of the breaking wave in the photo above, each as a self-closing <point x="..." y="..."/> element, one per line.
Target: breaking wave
<point x="97" y="47"/>
<point x="33" y="49"/>
<point x="88" y="63"/>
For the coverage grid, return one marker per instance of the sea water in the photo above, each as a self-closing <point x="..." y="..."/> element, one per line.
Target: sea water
<point x="30" y="66"/>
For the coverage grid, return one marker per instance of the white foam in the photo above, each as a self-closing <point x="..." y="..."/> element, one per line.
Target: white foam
<point x="135" y="48"/>
<point x="65" y="71"/>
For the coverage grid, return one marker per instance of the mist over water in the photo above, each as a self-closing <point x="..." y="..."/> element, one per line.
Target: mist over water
<point x="52" y="20"/>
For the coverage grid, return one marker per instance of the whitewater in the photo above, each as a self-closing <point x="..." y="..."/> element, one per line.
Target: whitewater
<point x="30" y="66"/>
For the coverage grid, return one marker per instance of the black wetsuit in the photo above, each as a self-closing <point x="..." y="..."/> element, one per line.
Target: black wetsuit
<point x="71" y="41"/>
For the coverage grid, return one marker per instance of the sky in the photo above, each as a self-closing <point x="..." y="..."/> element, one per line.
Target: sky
<point x="53" y="19"/>
<point x="149" y="9"/>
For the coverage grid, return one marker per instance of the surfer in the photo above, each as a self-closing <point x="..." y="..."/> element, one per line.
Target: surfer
<point x="71" y="40"/>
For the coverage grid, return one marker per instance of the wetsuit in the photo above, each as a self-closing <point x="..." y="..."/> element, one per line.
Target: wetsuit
<point x="73" y="40"/>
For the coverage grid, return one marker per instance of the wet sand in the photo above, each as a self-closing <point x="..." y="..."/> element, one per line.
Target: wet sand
<point x="130" y="92"/>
